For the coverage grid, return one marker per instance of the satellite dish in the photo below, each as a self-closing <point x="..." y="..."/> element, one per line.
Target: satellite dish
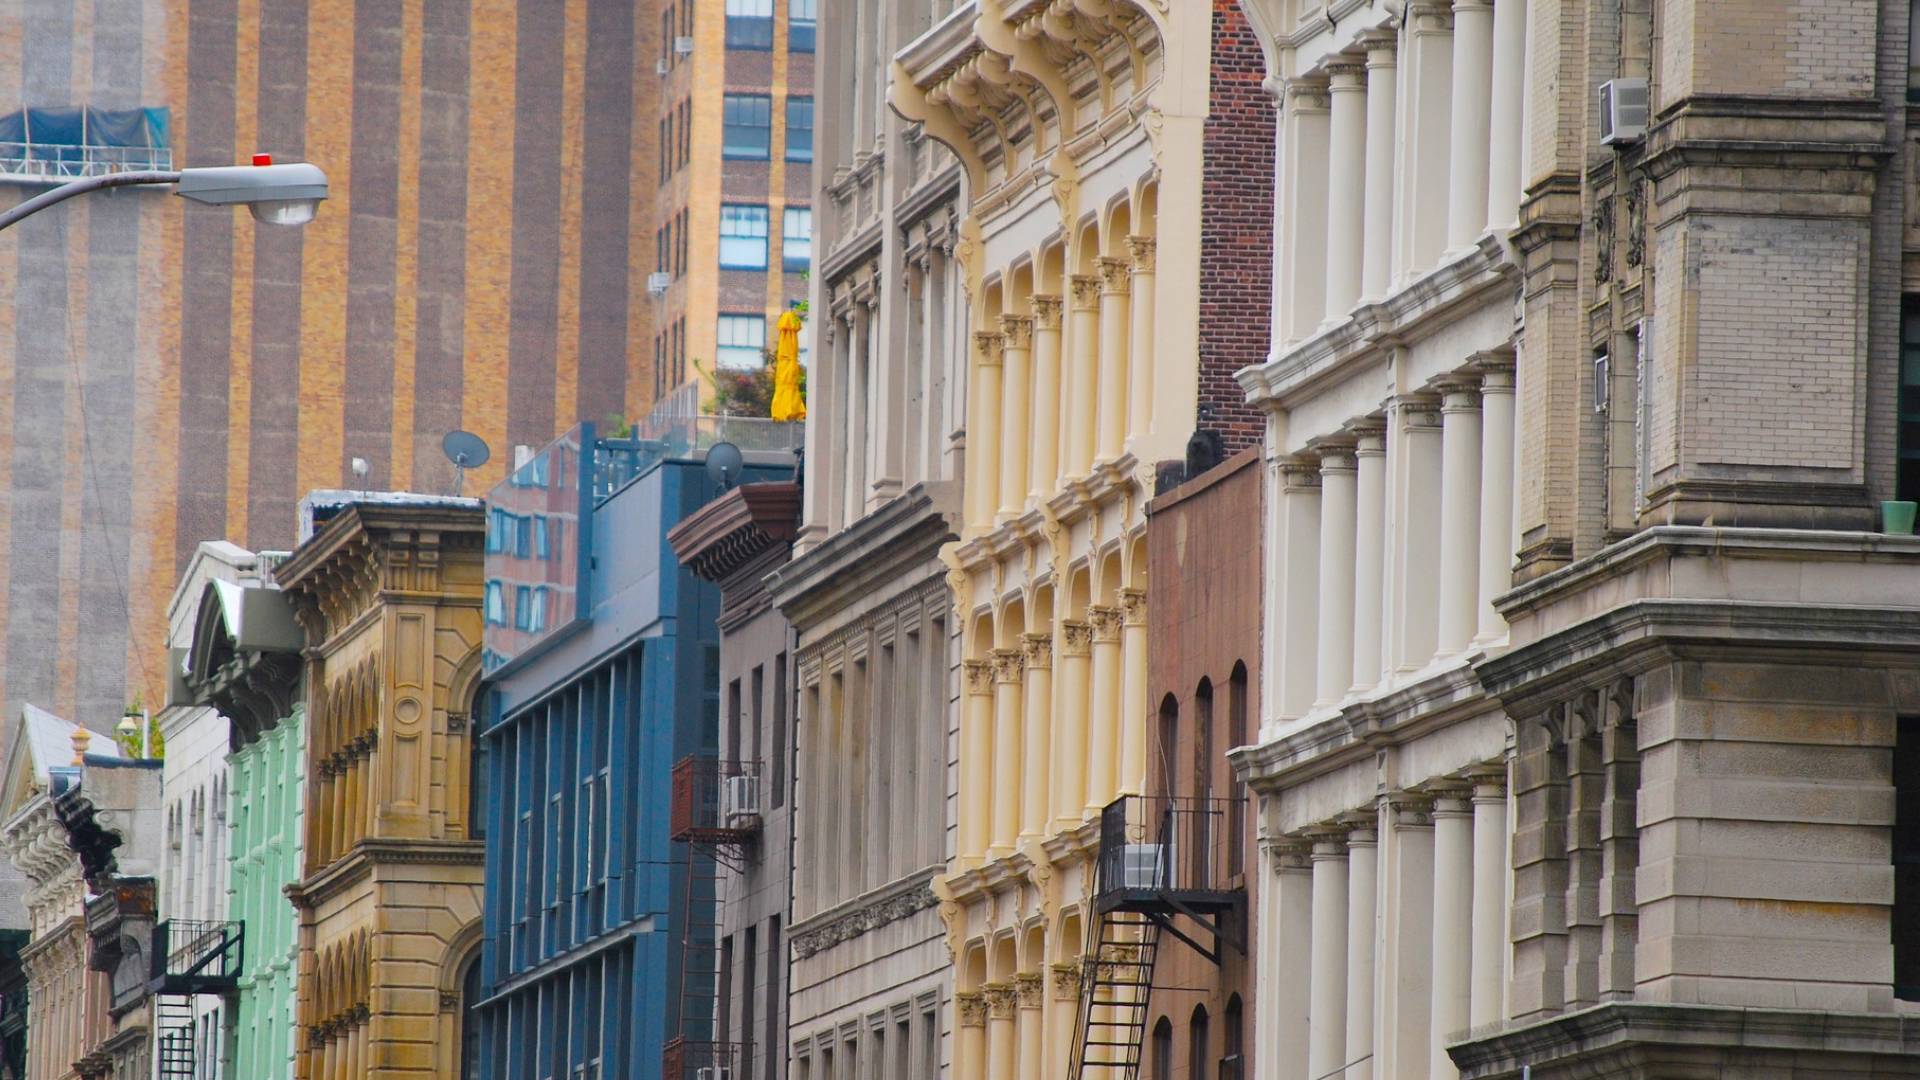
<point x="723" y="464"/>
<point x="467" y="451"/>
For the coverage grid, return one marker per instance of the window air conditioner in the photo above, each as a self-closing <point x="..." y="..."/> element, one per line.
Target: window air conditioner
<point x="742" y="797"/>
<point x="1623" y="111"/>
<point x="1143" y="866"/>
<point x="658" y="281"/>
<point x="661" y="66"/>
<point x="683" y="46"/>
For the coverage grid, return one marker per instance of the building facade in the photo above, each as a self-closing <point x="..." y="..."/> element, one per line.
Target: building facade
<point x="175" y="372"/>
<point x="603" y="661"/>
<point x="733" y="215"/>
<point x="388" y="592"/>
<point x="1099" y="196"/>
<point x="739" y="801"/>
<point x="1576" y="748"/>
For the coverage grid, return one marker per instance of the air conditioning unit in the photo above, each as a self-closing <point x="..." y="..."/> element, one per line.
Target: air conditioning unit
<point x="1144" y="866"/>
<point x="683" y="46"/>
<point x="657" y="282"/>
<point x="742" y="797"/>
<point x="661" y="66"/>
<point x="1623" y="111"/>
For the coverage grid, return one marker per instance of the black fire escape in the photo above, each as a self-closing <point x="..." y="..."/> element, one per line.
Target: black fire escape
<point x="716" y="816"/>
<point x="189" y="958"/>
<point x="1163" y="867"/>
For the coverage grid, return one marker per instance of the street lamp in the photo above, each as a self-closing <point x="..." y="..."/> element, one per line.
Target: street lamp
<point x="137" y="722"/>
<point x="277" y="194"/>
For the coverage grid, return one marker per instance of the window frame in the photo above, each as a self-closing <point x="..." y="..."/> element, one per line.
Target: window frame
<point x="787" y="238"/>
<point x="801" y="40"/>
<point x="749" y="33"/>
<point x="735" y="216"/>
<point x="788" y="153"/>
<point x="720" y="348"/>
<point x="729" y="125"/>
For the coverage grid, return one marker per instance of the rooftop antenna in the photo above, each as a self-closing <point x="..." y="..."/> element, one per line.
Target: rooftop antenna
<point x="467" y="451"/>
<point x="723" y="464"/>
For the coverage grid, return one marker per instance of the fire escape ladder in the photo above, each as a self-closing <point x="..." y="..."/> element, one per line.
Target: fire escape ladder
<point x="174" y="1050"/>
<point x="1115" y="985"/>
<point x="715" y="816"/>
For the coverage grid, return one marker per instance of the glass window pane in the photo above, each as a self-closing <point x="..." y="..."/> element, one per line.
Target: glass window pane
<point x="748" y="126"/>
<point x="743" y="237"/>
<point x="801" y="16"/>
<point x="749" y="24"/>
<point x="799" y="129"/>
<point x="796" y="239"/>
<point x="741" y="340"/>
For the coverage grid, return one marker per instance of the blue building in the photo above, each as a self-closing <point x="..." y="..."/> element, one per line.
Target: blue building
<point x="602" y="653"/>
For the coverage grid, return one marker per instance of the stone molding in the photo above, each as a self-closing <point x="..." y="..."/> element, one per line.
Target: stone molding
<point x="889" y="907"/>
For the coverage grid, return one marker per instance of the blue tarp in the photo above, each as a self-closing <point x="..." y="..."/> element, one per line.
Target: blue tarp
<point x="76" y="125"/>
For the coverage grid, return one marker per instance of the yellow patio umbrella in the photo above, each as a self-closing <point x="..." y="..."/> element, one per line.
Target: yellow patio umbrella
<point x="788" y="403"/>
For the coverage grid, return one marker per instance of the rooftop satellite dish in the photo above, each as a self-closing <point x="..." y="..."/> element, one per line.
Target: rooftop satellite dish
<point x="723" y="464"/>
<point x="467" y="451"/>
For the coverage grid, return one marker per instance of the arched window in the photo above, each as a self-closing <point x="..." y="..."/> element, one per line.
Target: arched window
<point x="1169" y="743"/>
<point x="470" y="1019"/>
<point x="1163" y="1050"/>
<point x="1199" y="1044"/>
<point x="1203" y="763"/>
<point x="1237" y="736"/>
<point x="1233" y="1061"/>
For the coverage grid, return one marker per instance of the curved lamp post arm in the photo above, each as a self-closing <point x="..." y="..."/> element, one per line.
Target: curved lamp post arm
<point x="81" y="187"/>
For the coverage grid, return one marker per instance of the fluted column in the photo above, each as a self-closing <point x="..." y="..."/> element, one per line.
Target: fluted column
<point x="971" y="1058"/>
<point x="1362" y="906"/>
<point x="1133" y="691"/>
<point x="1037" y="727"/>
<point x="1327" y="977"/>
<point x="1338" y="506"/>
<point x="1508" y="91"/>
<point x="1284" y="942"/>
<point x="1063" y="1012"/>
<point x="1016" y="334"/>
<point x="1006" y="750"/>
<point x="1045" y="459"/>
<point x="1103" y="730"/>
<point x="1080" y="395"/>
<point x="1346" y="185"/>
<point x="1420" y="212"/>
<point x="1300" y="585"/>
<point x="1070" y="710"/>
<point x="1453" y="874"/>
<point x="1369" y="552"/>
<point x="1415" y="612"/>
<point x="976" y="761"/>
<point x="1303" y="201"/>
<point x="1140" y="365"/>
<point x="1001" y="1047"/>
<point x="1496" y="497"/>
<point x="1459" y="517"/>
<point x="1115" y="288"/>
<point x="1471" y="114"/>
<point x="985" y="425"/>
<point x="1489" y="899"/>
<point x="1030" y="993"/>
<point x="1377" y="273"/>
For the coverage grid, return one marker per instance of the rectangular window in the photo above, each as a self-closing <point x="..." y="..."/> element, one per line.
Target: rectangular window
<point x="776" y="966"/>
<point x="522" y="607"/>
<point x="743" y="237"/>
<point x="1907" y="467"/>
<point x="799" y="129"/>
<point x="796" y="239"/>
<point x="779" y="762"/>
<point x="496" y="603"/>
<point x="742" y="337"/>
<point x="750" y="24"/>
<point x="801" y="20"/>
<point x="747" y="130"/>
<point x="1906" y="859"/>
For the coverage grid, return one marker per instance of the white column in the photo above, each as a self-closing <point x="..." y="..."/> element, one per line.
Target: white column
<point x="1140" y="363"/>
<point x="1346" y="186"/>
<point x="1377" y="273"/>
<point x="1037" y="729"/>
<point x="1489" y="899"/>
<point x="1133" y="691"/>
<point x="1369" y="553"/>
<point x="1336" y="588"/>
<point x="1471" y="114"/>
<point x="1006" y="751"/>
<point x="1017" y="398"/>
<point x="1103" y="727"/>
<point x="1063" y="1012"/>
<point x="1115" y="288"/>
<point x="1362" y="905"/>
<point x="1300" y="585"/>
<point x="1421" y="214"/>
<point x="1030" y="990"/>
<point x="1327" y="979"/>
<point x="1452" y="928"/>
<point x="1079" y="397"/>
<point x="1070" y="713"/>
<point x="970" y="1057"/>
<point x="1001" y="1049"/>
<point x="976" y="762"/>
<point x="983" y="427"/>
<point x="1303" y="131"/>
<point x="1459" y="517"/>
<point x="1045" y="408"/>
<point x="1508" y="91"/>
<point x="1416" y="607"/>
<point x="1405" y="944"/>
<point x="1496" y="497"/>
<point x="1280" y="1026"/>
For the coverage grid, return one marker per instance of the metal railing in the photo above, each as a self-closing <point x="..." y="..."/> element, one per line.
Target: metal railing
<point x="1155" y="844"/>
<point x="60" y="162"/>
<point x="714" y="800"/>
<point x="193" y="955"/>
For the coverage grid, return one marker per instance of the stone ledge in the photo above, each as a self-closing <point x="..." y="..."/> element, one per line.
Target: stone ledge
<point x="1647" y="1040"/>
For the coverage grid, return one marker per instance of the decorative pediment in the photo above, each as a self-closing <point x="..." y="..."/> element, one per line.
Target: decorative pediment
<point x="245" y="657"/>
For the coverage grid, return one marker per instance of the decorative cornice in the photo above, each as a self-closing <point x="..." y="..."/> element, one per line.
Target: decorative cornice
<point x="889" y="906"/>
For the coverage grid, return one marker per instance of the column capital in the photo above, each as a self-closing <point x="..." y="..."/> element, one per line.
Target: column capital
<point x="1031" y="987"/>
<point x="1382" y="45"/>
<point x="1299" y="476"/>
<point x="1039" y="650"/>
<point x="1363" y="828"/>
<point x="972" y="1007"/>
<point x="1017" y="331"/>
<point x="1418" y="411"/>
<point x="1450" y="799"/>
<point x="1143" y="250"/>
<point x="1007" y="665"/>
<point x="978" y="675"/>
<point x="1489" y="783"/>
<point x="1458" y="394"/>
<point x="1306" y="94"/>
<point x="1086" y="291"/>
<point x="1495" y="368"/>
<point x="986" y="347"/>
<point x="1289" y="854"/>
<point x="1472" y="6"/>
<point x="1337" y="458"/>
<point x="1429" y="16"/>
<point x="1409" y="809"/>
<point x="1115" y="273"/>
<point x="1046" y="311"/>
<point x="1346" y="75"/>
<point x="1329" y="841"/>
<point x="1066" y="980"/>
<point x="1369" y="437"/>
<point x="1106" y="621"/>
<point x="1000" y="1000"/>
<point x="1133" y="607"/>
<point x="1076" y="637"/>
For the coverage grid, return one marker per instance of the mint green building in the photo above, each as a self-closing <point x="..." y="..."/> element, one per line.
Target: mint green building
<point x="245" y="662"/>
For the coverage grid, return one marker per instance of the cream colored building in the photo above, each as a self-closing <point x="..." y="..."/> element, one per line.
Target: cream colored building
<point x="1585" y="728"/>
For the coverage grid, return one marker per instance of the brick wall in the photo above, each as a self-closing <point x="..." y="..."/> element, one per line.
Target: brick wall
<point x="1236" y="227"/>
